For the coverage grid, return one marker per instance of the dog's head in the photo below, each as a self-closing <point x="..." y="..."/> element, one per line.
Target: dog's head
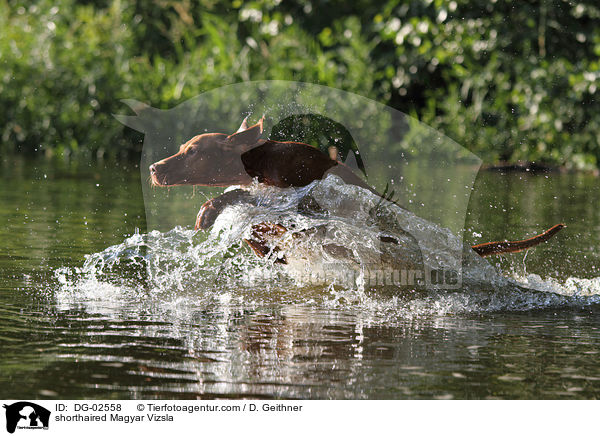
<point x="211" y="159"/>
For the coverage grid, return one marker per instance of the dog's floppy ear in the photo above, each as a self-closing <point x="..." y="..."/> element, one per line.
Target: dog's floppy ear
<point x="244" y="125"/>
<point x="245" y="134"/>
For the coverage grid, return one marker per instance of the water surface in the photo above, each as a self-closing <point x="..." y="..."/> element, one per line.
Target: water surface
<point x="109" y="331"/>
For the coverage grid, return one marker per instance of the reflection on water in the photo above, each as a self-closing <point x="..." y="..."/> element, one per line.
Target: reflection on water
<point x="112" y="335"/>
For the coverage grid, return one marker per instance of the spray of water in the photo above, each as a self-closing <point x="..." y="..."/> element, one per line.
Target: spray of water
<point x="182" y="270"/>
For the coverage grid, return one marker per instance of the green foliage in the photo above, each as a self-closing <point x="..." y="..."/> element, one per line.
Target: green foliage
<point x="508" y="80"/>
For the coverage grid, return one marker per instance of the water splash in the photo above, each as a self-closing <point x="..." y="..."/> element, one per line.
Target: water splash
<point x="182" y="270"/>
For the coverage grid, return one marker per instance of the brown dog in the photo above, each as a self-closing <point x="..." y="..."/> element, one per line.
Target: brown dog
<point x="217" y="159"/>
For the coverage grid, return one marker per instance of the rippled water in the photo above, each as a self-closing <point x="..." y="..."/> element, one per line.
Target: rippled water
<point x="92" y="307"/>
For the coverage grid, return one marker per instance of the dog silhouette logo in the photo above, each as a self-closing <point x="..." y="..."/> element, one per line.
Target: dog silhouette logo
<point x="26" y="415"/>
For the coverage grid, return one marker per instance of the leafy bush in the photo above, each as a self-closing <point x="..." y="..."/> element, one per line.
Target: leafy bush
<point x="508" y="80"/>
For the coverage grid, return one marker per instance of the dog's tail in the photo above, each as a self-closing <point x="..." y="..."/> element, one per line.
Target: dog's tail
<point x="500" y="247"/>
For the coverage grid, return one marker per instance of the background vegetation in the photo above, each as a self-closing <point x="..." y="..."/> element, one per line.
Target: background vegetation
<point x="508" y="80"/>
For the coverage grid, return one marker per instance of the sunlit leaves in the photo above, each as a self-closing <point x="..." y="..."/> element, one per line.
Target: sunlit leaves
<point x="508" y="80"/>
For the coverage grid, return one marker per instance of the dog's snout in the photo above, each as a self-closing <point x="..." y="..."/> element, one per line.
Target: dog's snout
<point x="158" y="174"/>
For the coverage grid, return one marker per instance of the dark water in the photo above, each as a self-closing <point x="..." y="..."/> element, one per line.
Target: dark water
<point x="113" y="337"/>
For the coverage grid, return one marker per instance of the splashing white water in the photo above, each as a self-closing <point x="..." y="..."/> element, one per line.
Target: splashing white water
<point x="348" y="231"/>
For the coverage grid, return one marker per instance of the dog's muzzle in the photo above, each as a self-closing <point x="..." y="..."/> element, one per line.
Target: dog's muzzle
<point x="154" y="175"/>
